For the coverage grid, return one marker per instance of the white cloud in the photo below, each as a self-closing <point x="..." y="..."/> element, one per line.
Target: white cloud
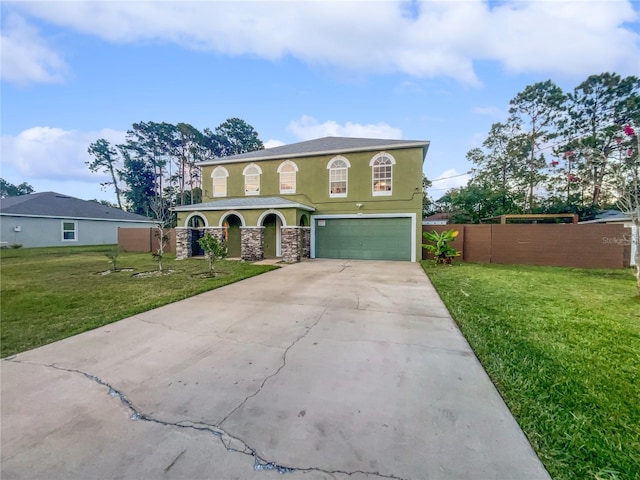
<point x="438" y="39"/>
<point x="450" y="178"/>
<point x="273" y="143"/>
<point x="53" y="153"/>
<point x="26" y="58"/>
<point x="308" y="128"/>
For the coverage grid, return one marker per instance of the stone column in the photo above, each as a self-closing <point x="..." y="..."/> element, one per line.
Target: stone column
<point x="216" y="232"/>
<point x="183" y="243"/>
<point x="306" y="242"/>
<point x="252" y="243"/>
<point x="291" y="241"/>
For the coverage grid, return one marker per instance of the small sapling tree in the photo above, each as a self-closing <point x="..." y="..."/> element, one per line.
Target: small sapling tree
<point x="112" y="255"/>
<point x="213" y="250"/>
<point x="161" y="225"/>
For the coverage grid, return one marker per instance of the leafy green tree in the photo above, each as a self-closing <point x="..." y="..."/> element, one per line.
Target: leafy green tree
<point x="106" y="159"/>
<point x="140" y="181"/>
<point x="535" y="112"/>
<point x="593" y="146"/>
<point x="10" y="190"/>
<point x="629" y="192"/>
<point x="190" y="145"/>
<point x="499" y="166"/>
<point x="232" y="137"/>
<point x="427" y="201"/>
<point x="213" y="249"/>
<point x="153" y="143"/>
<point x="473" y="203"/>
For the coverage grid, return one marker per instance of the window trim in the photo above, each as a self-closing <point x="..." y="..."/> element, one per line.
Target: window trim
<point x="331" y="169"/>
<point x="225" y="175"/>
<point x="288" y="163"/>
<point x="75" y="230"/>
<point x="244" y="173"/>
<point x="374" y="159"/>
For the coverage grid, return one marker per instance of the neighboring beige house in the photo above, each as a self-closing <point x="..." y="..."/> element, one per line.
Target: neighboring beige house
<point x="50" y="219"/>
<point x="436" y="219"/>
<point x="332" y="197"/>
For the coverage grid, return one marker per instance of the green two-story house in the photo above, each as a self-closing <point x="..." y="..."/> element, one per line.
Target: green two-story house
<point x="333" y="197"/>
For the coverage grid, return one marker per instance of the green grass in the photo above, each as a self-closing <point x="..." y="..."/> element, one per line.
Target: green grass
<point x="563" y="348"/>
<point x="52" y="293"/>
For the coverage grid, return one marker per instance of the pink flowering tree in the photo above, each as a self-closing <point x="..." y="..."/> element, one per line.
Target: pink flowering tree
<point x="629" y="199"/>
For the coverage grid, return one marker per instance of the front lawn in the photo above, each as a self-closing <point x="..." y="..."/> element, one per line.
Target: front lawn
<point x="563" y="348"/>
<point x="52" y="293"/>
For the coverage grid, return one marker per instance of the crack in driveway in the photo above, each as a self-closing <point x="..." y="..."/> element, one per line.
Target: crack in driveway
<point x="227" y="439"/>
<point x="215" y="334"/>
<point x="284" y="363"/>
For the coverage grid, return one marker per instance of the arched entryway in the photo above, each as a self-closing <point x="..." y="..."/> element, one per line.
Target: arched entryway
<point x="272" y="232"/>
<point x="232" y="224"/>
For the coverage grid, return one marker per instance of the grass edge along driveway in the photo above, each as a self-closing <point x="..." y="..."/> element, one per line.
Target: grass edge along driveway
<point x="48" y="294"/>
<point x="563" y="348"/>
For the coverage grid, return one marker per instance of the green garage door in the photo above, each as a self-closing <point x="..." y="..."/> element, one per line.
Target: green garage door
<point x="363" y="238"/>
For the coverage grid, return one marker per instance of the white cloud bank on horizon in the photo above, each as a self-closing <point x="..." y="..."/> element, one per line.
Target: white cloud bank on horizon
<point x="435" y="39"/>
<point x="308" y="128"/>
<point x="54" y="154"/>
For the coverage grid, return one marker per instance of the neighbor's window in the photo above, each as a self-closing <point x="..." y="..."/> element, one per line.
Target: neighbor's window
<point x="69" y="231"/>
<point x="338" y="176"/>
<point x="382" y="173"/>
<point x="219" y="177"/>
<point x="252" y="179"/>
<point x="287" y="171"/>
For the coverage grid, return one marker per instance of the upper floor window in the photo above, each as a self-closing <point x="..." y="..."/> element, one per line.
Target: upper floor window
<point x="338" y="176"/>
<point x="382" y="173"/>
<point x="287" y="171"/>
<point x="219" y="177"/>
<point x="252" y="174"/>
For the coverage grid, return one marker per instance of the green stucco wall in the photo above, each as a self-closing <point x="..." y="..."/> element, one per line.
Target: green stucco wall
<point x="312" y="187"/>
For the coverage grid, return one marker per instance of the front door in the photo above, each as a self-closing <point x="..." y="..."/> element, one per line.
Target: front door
<point x="196" y="249"/>
<point x="271" y="235"/>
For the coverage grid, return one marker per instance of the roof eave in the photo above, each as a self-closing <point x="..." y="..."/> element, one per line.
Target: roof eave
<point x="203" y="207"/>
<point x="219" y="161"/>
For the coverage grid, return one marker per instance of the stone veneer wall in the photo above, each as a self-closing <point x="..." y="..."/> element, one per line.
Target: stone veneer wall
<point x="216" y="232"/>
<point x="306" y="242"/>
<point x="183" y="243"/>
<point x="252" y="243"/>
<point x="184" y="237"/>
<point x="291" y="240"/>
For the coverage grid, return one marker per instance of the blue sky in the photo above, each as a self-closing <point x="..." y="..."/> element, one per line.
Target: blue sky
<point x="76" y="71"/>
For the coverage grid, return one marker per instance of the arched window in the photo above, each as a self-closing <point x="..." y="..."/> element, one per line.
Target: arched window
<point x="252" y="174"/>
<point x="338" y="176"/>
<point x="219" y="178"/>
<point x="382" y="173"/>
<point x="287" y="171"/>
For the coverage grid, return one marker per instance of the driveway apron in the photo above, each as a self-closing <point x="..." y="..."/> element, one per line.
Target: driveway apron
<point x="323" y="369"/>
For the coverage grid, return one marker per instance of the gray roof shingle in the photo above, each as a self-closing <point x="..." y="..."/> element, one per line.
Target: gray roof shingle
<point x="52" y="204"/>
<point x="321" y="146"/>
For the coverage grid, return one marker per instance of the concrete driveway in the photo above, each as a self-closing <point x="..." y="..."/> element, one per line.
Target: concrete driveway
<point x="323" y="369"/>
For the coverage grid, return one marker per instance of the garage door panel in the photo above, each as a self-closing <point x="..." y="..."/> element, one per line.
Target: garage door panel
<point x="364" y="238"/>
